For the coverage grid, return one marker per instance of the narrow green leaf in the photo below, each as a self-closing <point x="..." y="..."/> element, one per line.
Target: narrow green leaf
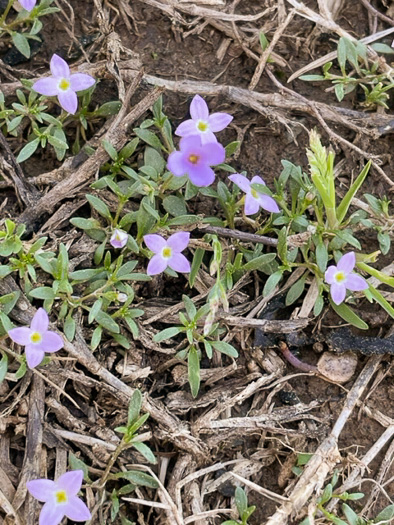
<point x="258" y="262"/>
<point x="134" y="407"/>
<point x="138" y="478"/>
<point x="145" y="451"/>
<point x="167" y="333"/>
<point x="21" y="43"/>
<point x="348" y="315"/>
<point x="194" y="371"/>
<point x="346" y="201"/>
<point x="3" y="366"/>
<point x="28" y="150"/>
<point x="224" y="348"/>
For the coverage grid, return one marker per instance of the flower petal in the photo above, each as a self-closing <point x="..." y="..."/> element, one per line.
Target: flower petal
<point x="41" y="489"/>
<point x="186" y="128"/>
<point x="252" y="205"/>
<point x="338" y="293"/>
<point x="356" y="283"/>
<point x="207" y="137"/>
<point x="176" y="164"/>
<point x="71" y="482"/>
<point x="156" y="265"/>
<point x="268" y="203"/>
<point x="51" y="514"/>
<point x="329" y="276"/>
<point x="28" y="4"/>
<point x="179" y="241"/>
<point x="241" y="181"/>
<point x="46" y="86"/>
<point x="50" y="342"/>
<point x="75" y="509"/>
<point x="68" y="100"/>
<point x="347" y="262"/>
<point x="40" y="321"/>
<point x="81" y="81"/>
<point x="257" y="180"/>
<point x="199" y="109"/>
<point x="20" y="335"/>
<point x="33" y="356"/>
<point x="190" y="144"/>
<point x="201" y="176"/>
<point x="179" y="263"/>
<point x="219" y="121"/>
<point x="213" y="153"/>
<point x="155" y="242"/>
<point x="59" y="67"/>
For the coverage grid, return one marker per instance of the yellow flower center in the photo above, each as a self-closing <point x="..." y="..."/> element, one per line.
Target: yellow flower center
<point x="340" y="277"/>
<point x="193" y="158"/>
<point x="254" y="194"/>
<point x="202" y="126"/>
<point x="61" y="496"/>
<point x="64" y="84"/>
<point x="167" y="252"/>
<point x="35" y="337"/>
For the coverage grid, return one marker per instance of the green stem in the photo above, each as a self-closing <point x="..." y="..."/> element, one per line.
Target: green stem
<point x="7" y="10"/>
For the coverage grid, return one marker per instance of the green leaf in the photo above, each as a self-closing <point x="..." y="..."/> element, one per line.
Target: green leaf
<point x="69" y="328"/>
<point x="311" y="78"/>
<point x="43" y="292"/>
<point x="350" y="515"/>
<point x="3" y="366"/>
<point x="382" y="48"/>
<point x="85" y="224"/>
<point x="224" y="348"/>
<point x="28" y="150"/>
<point x="232" y="148"/>
<point x="241" y="500"/>
<point x="95" y="310"/>
<point x="108" y="109"/>
<point x="96" y="337"/>
<point x="21" y="43"/>
<point x="110" y="150"/>
<point x="190" y="307"/>
<point x="107" y="322"/>
<point x="381" y="300"/>
<point x="138" y="478"/>
<point x="348" y="315"/>
<point x="258" y="262"/>
<point x="321" y="256"/>
<point x="148" y="137"/>
<point x="4" y="271"/>
<point x="387" y="514"/>
<point x="85" y="275"/>
<point x="175" y="206"/>
<point x="346" y="236"/>
<point x="271" y="282"/>
<point x="77" y="464"/>
<point x="194" y="371"/>
<point x="346" y="201"/>
<point x="196" y="265"/>
<point x="339" y="92"/>
<point x="295" y="291"/>
<point x="134" y="407"/>
<point x="167" y="333"/>
<point x="145" y="451"/>
<point x="384" y="243"/>
<point x="327" y="494"/>
<point x="99" y="206"/>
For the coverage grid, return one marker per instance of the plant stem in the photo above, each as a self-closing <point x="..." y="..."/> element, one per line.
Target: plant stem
<point x="7" y="10"/>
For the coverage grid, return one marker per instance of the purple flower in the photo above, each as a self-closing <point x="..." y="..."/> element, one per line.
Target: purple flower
<point x="341" y="278"/>
<point x="167" y="253"/>
<point x="63" y="84"/>
<point x="194" y="160"/>
<point x="60" y="498"/>
<point x="37" y="339"/>
<point x="202" y="123"/>
<point x="118" y="238"/>
<point x="254" y="200"/>
<point x="28" y="4"/>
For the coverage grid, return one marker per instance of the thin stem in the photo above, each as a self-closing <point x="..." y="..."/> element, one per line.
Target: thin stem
<point x="7" y="10"/>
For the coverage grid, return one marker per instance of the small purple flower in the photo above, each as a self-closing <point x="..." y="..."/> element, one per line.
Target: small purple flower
<point x="194" y="160"/>
<point x="202" y="123"/>
<point x="254" y="200"/>
<point x="167" y="252"/>
<point x="341" y="278"/>
<point x="28" y="4"/>
<point x="60" y="498"/>
<point x="63" y="84"/>
<point x="37" y="339"/>
<point x="118" y="239"/>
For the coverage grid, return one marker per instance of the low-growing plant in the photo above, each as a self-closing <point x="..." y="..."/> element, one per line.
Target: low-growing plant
<point x="244" y="511"/>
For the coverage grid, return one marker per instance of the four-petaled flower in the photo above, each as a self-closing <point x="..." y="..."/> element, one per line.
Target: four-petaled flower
<point x="253" y="199"/>
<point x="28" y="4"/>
<point x="167" y="252"/>
<point x="202" y="123"/>
<point x="63" y="84"/>
<point x="118" y="239"/>
<point x="341" y="278"/>
<point x="37" y="339"/>
<point x="195" y="159"/>
<point x="60" y="498"/>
